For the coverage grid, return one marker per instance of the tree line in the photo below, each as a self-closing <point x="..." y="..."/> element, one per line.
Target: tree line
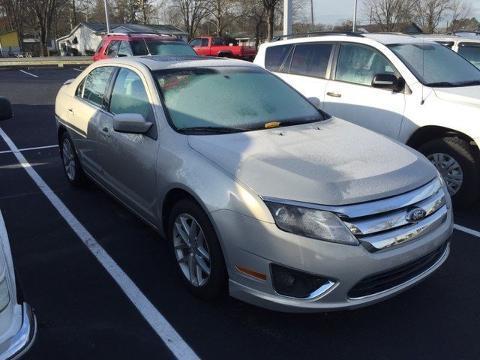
<point x="50" y="19"/>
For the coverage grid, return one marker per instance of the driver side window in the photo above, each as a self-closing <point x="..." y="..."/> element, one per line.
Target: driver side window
<point x="358" y="64"/>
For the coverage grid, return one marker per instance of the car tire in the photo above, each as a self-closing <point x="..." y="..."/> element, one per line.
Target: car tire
<point x="202" y="252"/>
<point x="71" y="164"/>
<point x="441" y="151"/>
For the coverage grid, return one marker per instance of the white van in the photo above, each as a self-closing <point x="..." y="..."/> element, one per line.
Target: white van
<point x="413" y="90"/>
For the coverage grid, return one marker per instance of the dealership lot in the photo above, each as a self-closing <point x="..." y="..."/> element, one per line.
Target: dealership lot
<point x="84" y="312"/>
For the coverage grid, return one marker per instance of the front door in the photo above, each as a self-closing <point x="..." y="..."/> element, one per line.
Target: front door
<point x="350" y="95"/>
<point x="129" y="160"/>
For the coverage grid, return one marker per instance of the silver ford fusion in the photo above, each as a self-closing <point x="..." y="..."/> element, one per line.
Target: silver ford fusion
<point x="256" y="190"/>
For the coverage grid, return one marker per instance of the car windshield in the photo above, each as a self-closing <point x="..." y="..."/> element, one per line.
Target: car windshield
<point x="164" y="48"/>
<point x="471" y="52"/>
<point x="231" y="99"/>
<point x="437" y="66"/>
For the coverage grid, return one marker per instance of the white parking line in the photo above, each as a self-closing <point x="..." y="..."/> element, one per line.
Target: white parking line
<point x="467" y="230"/>
<point x="26" y="72"/>
<point x="80" y="70"/>
<point x="29" y="149"/>
<point x="157" y="321"/>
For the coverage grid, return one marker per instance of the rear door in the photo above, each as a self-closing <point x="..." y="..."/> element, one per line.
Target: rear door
<point x="128" y="160"/>
<point x="87" y="107"/>
<point x="350" y="96"/>
<point x="304" y="66"/>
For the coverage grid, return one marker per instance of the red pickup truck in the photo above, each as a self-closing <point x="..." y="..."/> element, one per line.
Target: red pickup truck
<point x="222" y="47"/>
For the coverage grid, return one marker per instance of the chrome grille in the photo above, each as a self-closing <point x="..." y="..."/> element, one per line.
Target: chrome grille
<point x="385" y="223"/>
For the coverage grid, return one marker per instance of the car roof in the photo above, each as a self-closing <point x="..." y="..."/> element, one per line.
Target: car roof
<point x="141" y="36"/>
<point x="383" y="38"/>
<point x="176" y="62"/>
<point x="443" y="37"/>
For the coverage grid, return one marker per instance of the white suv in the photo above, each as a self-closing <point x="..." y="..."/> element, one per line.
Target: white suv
<point x="413" y="90"/>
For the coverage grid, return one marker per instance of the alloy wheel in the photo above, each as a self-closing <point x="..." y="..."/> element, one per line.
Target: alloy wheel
<point x="450" y="170"/>
<point x="69" y="160"/>
<point x="191" y="250"/>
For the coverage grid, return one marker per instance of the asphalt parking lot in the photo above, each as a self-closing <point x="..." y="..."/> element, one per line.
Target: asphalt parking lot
<point x="83" y="312"/>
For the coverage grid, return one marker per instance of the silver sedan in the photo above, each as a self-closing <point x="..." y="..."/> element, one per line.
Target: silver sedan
<point x="256" y="190"/>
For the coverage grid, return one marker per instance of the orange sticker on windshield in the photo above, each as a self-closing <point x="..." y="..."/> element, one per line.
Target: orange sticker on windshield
<point x="272" y="124"/>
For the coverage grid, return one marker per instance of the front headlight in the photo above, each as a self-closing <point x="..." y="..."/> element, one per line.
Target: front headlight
<point x="312" y="223"/>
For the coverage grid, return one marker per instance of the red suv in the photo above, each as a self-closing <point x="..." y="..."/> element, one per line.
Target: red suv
<point x="116" y="45"/>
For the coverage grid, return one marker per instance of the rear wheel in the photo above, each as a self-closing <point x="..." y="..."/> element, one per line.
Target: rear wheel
<point x="197" y="250"/>
<point x="71" y="164"/>
<point x="458" y="163"/>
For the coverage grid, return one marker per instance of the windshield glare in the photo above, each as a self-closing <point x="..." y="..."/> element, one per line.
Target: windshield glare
<point x="436" y="65"/>
<point x="238" y="98"/>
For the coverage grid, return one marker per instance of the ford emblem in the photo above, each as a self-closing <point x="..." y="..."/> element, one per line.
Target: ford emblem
<point x="415" y="215"/>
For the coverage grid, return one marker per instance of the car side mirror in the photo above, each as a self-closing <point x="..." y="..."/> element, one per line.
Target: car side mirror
<point x="388" y="81"/>
<point x="6" y="112"/>
<point x="315" y="101"/>
<point x="131" y="123"/>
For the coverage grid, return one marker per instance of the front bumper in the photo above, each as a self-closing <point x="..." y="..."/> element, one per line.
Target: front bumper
<point x="18" y="344"/>
<point x="252" y="244"/>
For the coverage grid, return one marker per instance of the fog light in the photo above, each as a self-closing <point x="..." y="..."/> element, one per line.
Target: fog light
<point x="296" y="283"/>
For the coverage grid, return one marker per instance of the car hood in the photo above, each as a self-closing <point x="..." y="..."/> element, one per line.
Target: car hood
<point x="467" y="94"/>
<point x="331" y="162"/>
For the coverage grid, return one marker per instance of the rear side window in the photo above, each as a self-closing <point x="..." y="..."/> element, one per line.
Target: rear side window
<point x="275" y="56"/>
<point x="124" y="49"/>
<point x="112" y="48"/>
<point x="129" y="95"/>
<point x="204" y="43"/>
<point x="95" y="85"/>
<point x="358" y="64"/>
<point x="311" y="59"/>
<point x="139" y="47"/>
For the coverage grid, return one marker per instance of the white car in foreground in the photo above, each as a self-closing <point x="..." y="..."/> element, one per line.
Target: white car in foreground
<point x="17" y="322"/>
<point x="413" y="90"/>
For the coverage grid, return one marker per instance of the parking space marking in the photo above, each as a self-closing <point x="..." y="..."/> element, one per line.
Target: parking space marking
<point x="29" y="149"/>
<point x="467" y="230"/>
<point x="155" y="319"/>
<point x="79" y="70"/>
<point x="26" y="72"/>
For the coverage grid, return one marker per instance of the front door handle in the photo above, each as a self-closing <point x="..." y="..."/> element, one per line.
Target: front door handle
<point x="334" y="94"/>
<point x="70" y="110"/>
<point x="105" y="129"/>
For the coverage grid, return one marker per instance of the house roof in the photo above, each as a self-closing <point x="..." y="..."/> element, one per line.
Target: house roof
<point x="101" y="28"/>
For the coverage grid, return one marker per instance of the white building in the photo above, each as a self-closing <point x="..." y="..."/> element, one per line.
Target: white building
<point x="85" y="38"/>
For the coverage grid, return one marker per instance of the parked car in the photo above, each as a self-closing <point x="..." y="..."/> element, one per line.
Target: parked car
<point x="417" y="92"/>
<point x="252" y="185"/>
<point x="17" y="321"/>
<point x="222" y="47"/>
<point x="468" y="48"/>
<point x="134" y="44"/>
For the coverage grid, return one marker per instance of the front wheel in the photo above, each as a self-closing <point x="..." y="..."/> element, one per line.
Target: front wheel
<point x="197" y="250"/>
<point x="458" y="163"/>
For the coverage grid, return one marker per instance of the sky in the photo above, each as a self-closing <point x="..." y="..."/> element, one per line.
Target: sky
<point x="333" y="12"/>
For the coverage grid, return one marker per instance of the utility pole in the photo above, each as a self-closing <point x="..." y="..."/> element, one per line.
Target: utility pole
<point x="106" y="16"/>
<point x="311" y="13"/>
<point x="287" y="17"/>
<point x="354" y="25"/>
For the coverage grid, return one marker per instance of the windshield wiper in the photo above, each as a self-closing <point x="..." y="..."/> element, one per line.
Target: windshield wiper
<point x="211" y="130"/>
<point x="441" y="84"/>
<point x="293" y="122"/>
<point x="469" y="83"/>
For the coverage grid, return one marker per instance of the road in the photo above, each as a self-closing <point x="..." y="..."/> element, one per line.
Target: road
<point x="83" y="313"/>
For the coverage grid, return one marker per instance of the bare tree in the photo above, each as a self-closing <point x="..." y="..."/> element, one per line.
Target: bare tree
<point x="221" y="13"/>
<point x="458" y="11"/>
<point x="270" y="6"/>
<point x="253" y="15"/>
<point x="43" y="11"/>
<point x="191" y="12"/>
<point x="430" y="13"/>
<point x="388" y="14"/>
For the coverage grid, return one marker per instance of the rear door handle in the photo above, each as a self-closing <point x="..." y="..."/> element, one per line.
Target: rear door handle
<point x="334" y="94"/>
<point x="70" y="110"/>
<point x="105" y="129"/>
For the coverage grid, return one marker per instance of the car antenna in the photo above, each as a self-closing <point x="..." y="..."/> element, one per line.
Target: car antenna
<point x="423" y="69"/>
